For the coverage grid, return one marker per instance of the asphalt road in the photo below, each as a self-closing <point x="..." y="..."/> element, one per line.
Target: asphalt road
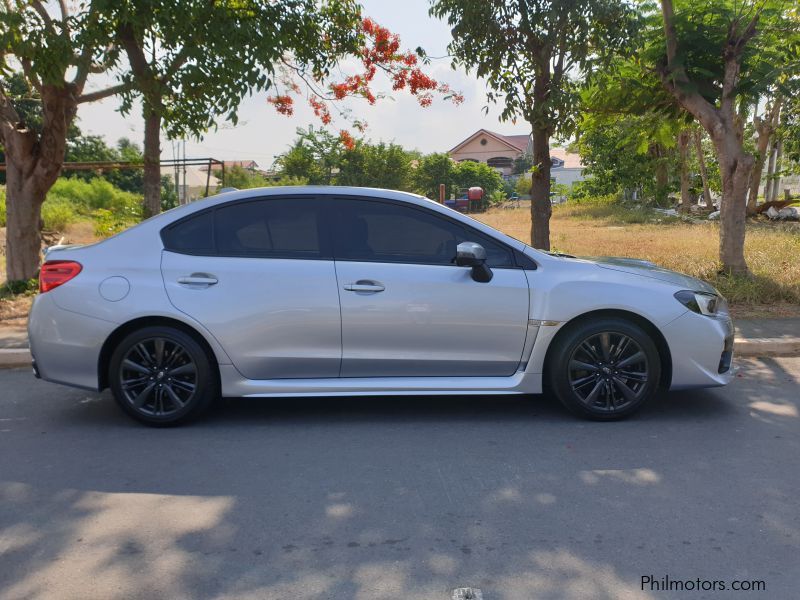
<point x="402" y="497"/>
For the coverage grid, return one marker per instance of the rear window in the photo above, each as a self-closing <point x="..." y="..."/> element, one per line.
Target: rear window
<point x="282" y="227"/>
<point x="192" y="235"/>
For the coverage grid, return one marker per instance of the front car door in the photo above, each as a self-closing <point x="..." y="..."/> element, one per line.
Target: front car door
<point x="408" y="310"/>
<point x="259" y="275"/>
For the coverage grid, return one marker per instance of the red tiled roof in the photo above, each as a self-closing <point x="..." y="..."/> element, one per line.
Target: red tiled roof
<point x="520" y="142"/>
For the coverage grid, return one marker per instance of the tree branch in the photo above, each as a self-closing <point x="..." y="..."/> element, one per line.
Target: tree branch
<point x="42" y="11"/>
<point x="104" y="93"/>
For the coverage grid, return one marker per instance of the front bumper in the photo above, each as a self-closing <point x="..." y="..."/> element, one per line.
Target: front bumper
<point x="701" y="349"/>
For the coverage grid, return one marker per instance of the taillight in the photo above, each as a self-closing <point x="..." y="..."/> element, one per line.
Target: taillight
<point x="57" y="272"/>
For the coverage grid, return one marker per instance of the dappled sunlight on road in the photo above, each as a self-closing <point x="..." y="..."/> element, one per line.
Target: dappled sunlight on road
<point x="774" y="408"/>
<point x="562" y="574"/>
<point x="92" y="543"/>
<point x="639" y="476"/>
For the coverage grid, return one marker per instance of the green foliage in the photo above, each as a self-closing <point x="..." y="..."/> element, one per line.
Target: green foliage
<point x="96" y="194"/>
<point x="21" y="287"/>
<point x="468" y="174"/>
<point x="93" y="148"/>
<point x="241" y="178"/>
<point x="378" y="165"/>
<point x="313" y="156"/>
<point x="522" y="164"/>
<point x="515" y="45"/>
<point x="57" y="213"/>
<point x="498" y="196"/>
<point x="2" y="206"/>
<point x="523" y="185"/>
<point x="202" y="58"/>
<point x="432" y="170"/>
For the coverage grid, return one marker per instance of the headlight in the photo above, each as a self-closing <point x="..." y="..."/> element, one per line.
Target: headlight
<point x="702" y="303"/>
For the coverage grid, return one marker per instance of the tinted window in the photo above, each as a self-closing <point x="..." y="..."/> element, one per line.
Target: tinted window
<point x="283" y="227"/>
<point x="383" y="232"/>
<point x="191" y="235"/>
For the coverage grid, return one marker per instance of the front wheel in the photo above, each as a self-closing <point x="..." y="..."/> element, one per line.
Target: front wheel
<point x="161" y="376"/>
<point x="605" y="369"/>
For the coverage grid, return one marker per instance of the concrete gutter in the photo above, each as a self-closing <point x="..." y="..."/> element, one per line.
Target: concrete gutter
<point x="11" y="358"/>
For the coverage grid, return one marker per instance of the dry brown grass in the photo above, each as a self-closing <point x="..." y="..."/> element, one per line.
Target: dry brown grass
<point x="772" y="251"/>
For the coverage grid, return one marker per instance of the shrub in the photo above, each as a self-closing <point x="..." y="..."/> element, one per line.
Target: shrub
<point x="2" y="207"/>
<point x="88" y="196"/>
<point x="57" y="213"/>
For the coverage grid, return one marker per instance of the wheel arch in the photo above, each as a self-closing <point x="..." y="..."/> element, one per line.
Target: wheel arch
<point x="120" y="332"/>
<point x="664" y="354"/>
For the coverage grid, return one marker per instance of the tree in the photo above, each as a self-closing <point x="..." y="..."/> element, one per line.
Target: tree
<point x="469" y="174"/>
<point x="433" y="170"/>
<point x="765" y="128"/>
<point x="527" y="51"/>
<point x="192" y="62"/>
<point x="313" y="156"/>
<point x="55" y="52"/>
<point x="719" y="55"/>
<point x="378" y="165"/>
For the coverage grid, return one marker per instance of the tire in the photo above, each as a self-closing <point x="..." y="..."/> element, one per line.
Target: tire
<point x="161" y="376"/>
<point x="605" y="369"/>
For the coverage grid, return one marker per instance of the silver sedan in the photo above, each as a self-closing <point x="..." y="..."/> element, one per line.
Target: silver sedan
<point x="326" y="291"/>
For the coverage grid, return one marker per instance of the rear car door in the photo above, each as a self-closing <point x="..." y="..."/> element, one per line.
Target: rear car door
<point x="259" y="275"/>
<point x="408" y="310"/>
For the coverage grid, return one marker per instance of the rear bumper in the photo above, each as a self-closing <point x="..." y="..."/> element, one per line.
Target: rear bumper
<point x="701" y="349"/>
<point x="65" y="346"/>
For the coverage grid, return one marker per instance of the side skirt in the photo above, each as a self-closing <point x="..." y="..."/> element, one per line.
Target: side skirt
<point x="234" y="385"/>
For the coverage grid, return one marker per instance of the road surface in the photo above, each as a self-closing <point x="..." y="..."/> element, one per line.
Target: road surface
<point x="401" y="498"/>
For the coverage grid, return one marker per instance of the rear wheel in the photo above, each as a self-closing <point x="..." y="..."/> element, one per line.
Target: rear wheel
<point x="161" y="376"/>
<point x="605" y="369"/>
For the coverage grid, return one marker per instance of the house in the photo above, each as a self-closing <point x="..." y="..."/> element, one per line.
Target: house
<point x="496" y="150"/>
<point x="500" y="151"/>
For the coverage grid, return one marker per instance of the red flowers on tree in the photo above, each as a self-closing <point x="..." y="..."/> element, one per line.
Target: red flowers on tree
<point x="380" y="52"/>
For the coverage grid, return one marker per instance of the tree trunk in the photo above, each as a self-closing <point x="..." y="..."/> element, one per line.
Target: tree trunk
<point x="770" y="173"/>
<point x="765" y="128"/>
<point x="541" y="209"/>
<point x="24" y="198"/>
<point x="33" y="163"/>
<point x="701" y="159"/>
<point x="683" y="146"/>
<point x="662" y="174"/>
<point x="151" y="204"/>
<point x="776" y="180"/>
<point x="735" y="167"/>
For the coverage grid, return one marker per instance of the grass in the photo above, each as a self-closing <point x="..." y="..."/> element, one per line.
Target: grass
<point x="602" y="229"/>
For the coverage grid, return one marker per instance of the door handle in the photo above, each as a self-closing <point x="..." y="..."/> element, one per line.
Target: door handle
<point x="365" y="285"/>
<point x="198" y="279"/>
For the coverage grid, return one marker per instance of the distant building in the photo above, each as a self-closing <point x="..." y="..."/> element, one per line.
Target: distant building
<point x="500" y="151"/>
<point x="496" y="150"/>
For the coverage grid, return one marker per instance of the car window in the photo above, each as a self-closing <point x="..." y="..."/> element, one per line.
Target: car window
<point x="193" y="235"/>
<point x="286" y="227"/>
<point x="386" y="232"/>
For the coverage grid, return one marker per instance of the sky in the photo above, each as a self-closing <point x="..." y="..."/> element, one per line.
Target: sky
<point x="262" y="133"/>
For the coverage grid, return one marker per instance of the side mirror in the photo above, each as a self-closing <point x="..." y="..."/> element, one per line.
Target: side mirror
<point x="472" y="254"/>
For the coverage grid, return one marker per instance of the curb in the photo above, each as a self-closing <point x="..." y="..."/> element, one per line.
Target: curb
<point x="14" y="357"/>
<point x="766" y="347"/>
<point x="11" y="358"/>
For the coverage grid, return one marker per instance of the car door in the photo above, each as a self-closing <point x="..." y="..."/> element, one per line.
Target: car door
<point x="259" y="275"/>
<point x="408" y="310"/>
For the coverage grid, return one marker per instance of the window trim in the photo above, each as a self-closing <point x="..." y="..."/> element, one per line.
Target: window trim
<point x="323" y="230"/>
<point x="468" y="229"/>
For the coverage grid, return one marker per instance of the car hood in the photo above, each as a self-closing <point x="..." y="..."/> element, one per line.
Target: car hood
<point x="647" y="269"/>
